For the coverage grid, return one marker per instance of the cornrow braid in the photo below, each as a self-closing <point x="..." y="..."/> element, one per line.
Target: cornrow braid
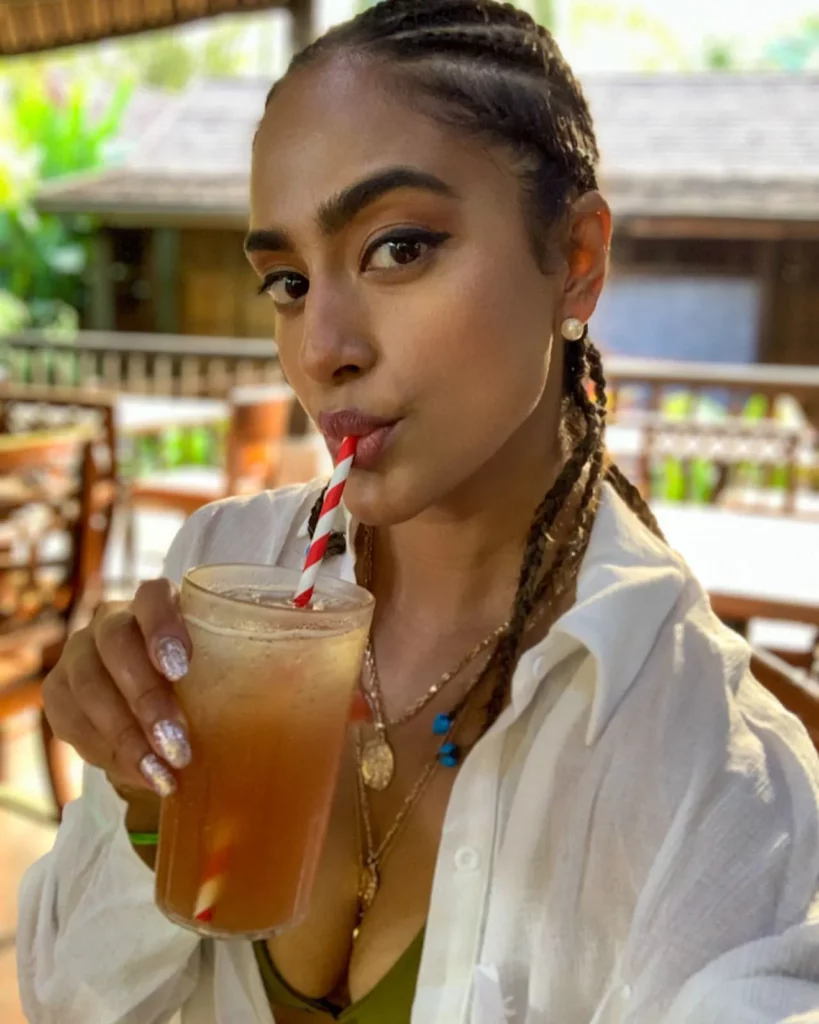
<point x="587" y="456"/>
<point x="488" y="70"/>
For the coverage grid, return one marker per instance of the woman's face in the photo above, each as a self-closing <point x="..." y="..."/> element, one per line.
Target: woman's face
<point x="408" y="306"/>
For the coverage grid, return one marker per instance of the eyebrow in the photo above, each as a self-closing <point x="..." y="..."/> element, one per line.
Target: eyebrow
<point x="335" y="213"/>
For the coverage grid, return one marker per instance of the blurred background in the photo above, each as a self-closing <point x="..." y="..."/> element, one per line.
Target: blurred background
<point x="138" y="373"/>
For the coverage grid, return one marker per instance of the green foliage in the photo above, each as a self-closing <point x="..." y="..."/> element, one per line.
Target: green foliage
<point x="54" y="120"/>
<point x="48" y="128"/>
<point x="719" y="55"/>
<point x="169" y="59"/>
<point x="616" y="24"/>
<point x="545" y="14"/>
<point x="796" y="51"/>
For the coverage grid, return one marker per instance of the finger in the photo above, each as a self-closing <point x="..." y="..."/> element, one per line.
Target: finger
<point x="125" y="750"/>
<point x="156" y="610"/>
<point x="69" y="723"/>
<point x="121" y="650"/>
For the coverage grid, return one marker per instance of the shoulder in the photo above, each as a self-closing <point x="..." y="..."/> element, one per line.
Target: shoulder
<point x="732" y="767"/>
<point x="241" y="529"/>
<point x="698" y="676"/>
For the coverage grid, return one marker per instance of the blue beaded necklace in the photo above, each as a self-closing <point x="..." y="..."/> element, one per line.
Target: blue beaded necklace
<point x="377" y="760"/>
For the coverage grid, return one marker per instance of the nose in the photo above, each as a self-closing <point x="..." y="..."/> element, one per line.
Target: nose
<point x="336" y="345"/>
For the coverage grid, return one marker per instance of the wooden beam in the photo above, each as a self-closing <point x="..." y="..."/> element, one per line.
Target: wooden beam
<point x="302" y="24"/>
<point x="31" y="26"/>
<point x="768" y="262"/>
<point x="102" y="309"/>
<point x="717" y="227"/>
<point x="165" y="274"/>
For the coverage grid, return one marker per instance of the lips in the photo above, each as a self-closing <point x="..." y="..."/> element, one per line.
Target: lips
<point x="373" y="433"/>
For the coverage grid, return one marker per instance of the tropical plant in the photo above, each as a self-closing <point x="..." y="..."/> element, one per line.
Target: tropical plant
<point x="613" y="24"/>
<point x="170" y="59"/>
<point x="51" y="124"/>
<point x="719" y="55"/>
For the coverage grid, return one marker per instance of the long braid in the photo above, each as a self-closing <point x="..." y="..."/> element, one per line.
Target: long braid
<point x="587" y="456"/>
<point x="615" y="476"/>
<point x="632" y="497"/>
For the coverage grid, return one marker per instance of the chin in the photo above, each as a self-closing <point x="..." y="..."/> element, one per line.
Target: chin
<point x="384" y="498"/>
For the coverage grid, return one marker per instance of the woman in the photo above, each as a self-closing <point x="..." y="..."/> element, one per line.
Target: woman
<point x="627" y="826"/>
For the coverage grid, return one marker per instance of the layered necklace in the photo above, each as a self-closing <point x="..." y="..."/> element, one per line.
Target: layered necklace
<point x="375" y="758"/>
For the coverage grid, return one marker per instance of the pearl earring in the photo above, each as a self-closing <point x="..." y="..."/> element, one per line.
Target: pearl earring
<point x="572" y="329"/>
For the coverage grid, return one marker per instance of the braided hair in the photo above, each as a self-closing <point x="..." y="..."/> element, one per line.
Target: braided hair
<point x="488" y="70"/>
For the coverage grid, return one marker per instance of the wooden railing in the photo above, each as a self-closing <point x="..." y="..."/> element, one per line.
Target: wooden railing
<point x="153" y="364"/>
<point x="166" y="364"/>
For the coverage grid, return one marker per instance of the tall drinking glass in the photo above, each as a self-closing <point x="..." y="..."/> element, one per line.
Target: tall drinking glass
<point x="267" y="699"/>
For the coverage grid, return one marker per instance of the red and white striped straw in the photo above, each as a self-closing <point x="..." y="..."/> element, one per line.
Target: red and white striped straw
<point x="214" y="875"/>
<point x="324" y="527"/>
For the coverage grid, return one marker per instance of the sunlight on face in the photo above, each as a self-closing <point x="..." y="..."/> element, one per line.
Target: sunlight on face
<point x="397" y="261"/>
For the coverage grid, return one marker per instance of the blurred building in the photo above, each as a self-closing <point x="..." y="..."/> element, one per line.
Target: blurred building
<point x="714" y="181"/>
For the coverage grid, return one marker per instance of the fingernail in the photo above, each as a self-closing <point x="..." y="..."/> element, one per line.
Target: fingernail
<point x="172" y="658"/>
<point x="158" y="775"/>
<point x="172" y="742"/>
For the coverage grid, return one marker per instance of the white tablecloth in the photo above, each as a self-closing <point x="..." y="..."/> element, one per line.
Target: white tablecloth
<point x="774" y="557"/>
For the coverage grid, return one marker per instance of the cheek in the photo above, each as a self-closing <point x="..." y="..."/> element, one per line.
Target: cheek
<point x="477" y="340"/>
<point x="288" y="343"/>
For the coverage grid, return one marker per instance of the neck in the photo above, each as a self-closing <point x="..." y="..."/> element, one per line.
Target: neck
<point x="458" y="563"/>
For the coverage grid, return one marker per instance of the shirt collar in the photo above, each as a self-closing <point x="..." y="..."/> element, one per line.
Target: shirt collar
<point x="628" y="583"/>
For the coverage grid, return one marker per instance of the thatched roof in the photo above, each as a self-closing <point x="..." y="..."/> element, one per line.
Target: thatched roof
<point x="27" y="26"/>
<point x="698" y="146"/>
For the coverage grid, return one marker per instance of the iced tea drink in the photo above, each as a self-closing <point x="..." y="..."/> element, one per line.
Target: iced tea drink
<point x="267" y="700"/>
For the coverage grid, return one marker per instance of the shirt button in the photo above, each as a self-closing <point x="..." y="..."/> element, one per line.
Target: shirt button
<point x="467" y="859"/>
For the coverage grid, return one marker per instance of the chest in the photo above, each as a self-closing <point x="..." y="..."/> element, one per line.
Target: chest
<point x="319" y="959"/>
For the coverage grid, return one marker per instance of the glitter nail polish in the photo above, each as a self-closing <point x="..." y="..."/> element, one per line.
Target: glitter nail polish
<point x="158" y="775"/>
<point x="172" y="741"/>
<point x="172" y="657"/>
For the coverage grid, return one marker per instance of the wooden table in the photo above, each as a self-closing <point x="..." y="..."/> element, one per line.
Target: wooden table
<point x="766" y="560"/>
<point x="133" y="414"/>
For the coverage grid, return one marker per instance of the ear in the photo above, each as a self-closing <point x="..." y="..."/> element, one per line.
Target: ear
<point x="588" y="255"/>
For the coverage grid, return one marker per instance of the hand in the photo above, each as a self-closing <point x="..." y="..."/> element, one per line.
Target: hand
<point x="110" y="697"/>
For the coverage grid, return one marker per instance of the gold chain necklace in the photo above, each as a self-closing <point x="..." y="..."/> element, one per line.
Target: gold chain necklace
<point x="372" y="856"/>
<point x="377" y="760"/>
<point x="377" y="757"/>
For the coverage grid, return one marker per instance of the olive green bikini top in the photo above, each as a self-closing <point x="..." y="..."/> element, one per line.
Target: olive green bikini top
<point x="389" y="1002"/>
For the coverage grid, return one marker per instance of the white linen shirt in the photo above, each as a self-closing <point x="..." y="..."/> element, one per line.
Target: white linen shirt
<point x="635" y="841"/>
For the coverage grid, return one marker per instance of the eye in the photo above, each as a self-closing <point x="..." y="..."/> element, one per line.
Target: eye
<point x="285" y="287"/>
<point x="401" y="249"/>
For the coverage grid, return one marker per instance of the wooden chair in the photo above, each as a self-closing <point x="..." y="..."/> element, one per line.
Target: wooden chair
<point x="55" y="523"/>
<point x="798" y="694"/>
<point x="739" y="612"/>
<point x="24" y="408"/>
<point x="749" y="458"/>
<point x="258" y="423"/>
